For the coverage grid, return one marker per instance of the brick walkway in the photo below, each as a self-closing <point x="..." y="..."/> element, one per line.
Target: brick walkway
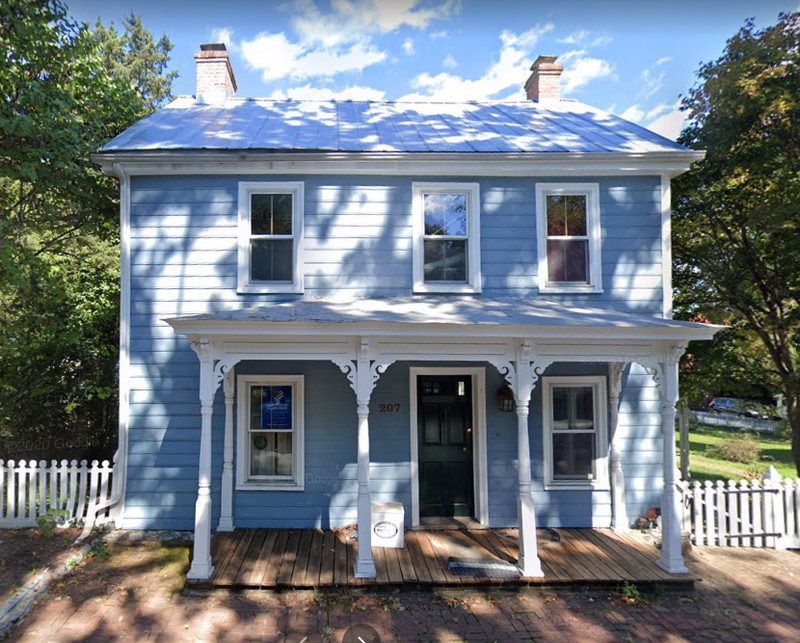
<point x="135" y="594"/>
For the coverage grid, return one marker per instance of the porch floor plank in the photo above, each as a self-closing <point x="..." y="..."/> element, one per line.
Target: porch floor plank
<point x="312" y="576"/>
<point x="254" y="575"/>
<point x="421" y="573"/>
<point x="283" y="558"/>
<point x="274" y="563"/>
<point x="327" y="559"/>
<point x="289" y="559"/>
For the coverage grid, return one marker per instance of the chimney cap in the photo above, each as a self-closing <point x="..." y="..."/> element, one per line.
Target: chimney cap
<point x="545" y="61"/>
<point x="213" y="46"/>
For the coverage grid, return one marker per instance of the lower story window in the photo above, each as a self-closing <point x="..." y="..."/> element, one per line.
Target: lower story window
<point x="575" y="434"/>
<point x="270" y="432"/>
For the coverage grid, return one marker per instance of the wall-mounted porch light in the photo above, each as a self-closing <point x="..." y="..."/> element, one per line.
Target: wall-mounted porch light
<point x="505" y="398"/>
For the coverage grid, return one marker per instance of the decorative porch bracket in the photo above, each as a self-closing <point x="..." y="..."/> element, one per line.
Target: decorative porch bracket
<point x="619" y="510"/>
<point x="363" y="374"/>
<point x="522" y="375"/>
<point x="665" y="374"/>
<point x="211" y="376"/>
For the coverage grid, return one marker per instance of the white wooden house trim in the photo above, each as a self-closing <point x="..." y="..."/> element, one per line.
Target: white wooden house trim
<point x="666" y="245"/>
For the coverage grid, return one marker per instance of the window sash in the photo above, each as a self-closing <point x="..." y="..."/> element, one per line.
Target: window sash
<point x="574" y="420"/>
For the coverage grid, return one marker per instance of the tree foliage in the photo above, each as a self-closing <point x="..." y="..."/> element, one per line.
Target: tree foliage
<point x="59" y="266"/>
<point x="737" y="212"/>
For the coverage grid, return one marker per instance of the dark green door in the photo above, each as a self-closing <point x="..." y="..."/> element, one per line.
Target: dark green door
<point x="444" y="414"/>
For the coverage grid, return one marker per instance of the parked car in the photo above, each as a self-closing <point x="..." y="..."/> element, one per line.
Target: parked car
<point x="742" y="408"/>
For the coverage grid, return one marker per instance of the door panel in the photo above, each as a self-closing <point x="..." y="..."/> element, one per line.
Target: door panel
<point x="445" y="446"/>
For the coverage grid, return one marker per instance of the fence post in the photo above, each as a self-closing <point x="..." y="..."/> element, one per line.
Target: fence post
<point x="697" y="509"/>
<point x="744" y="514"/>
<point x="2" y="489"/>
<point x="773" y="508"/>
<point x="734" y="526"/>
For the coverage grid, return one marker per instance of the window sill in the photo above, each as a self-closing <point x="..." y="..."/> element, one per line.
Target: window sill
<point x="468" y="289"/>
<point x="566" y="289"/>
<point x="576" y="486"/>
<point x="266" y="289"/>
<point x="270" y="486"/>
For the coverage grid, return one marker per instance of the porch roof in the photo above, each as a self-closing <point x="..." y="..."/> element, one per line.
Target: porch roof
<point x="440" y="316"/>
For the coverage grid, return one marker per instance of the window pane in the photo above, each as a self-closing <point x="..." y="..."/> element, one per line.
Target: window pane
<point x="567" y="260"/>
<point x="271" y="213"/>
<point x="276" y="407"/>
<point x="271" y="259"/>
<point x="573" y="455"/>
<point x="566" y="215"/>
<point x="445" y="260"/>
<point x="573" y="408"/>
<point x="271" y="454"/>
<point x="445" y="214"/>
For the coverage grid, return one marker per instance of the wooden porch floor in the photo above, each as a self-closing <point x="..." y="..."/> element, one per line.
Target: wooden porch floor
<point x="305" y="558"/>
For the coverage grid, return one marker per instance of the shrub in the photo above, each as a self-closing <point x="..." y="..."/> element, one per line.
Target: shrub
<point x="737" y="448"/>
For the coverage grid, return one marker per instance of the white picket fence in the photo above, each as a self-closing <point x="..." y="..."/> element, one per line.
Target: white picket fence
<point x="748" y="513"/>
<point x="71" y="490"/>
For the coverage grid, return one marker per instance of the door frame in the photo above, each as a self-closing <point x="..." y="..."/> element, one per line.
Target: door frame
<point x="480" y="470"/>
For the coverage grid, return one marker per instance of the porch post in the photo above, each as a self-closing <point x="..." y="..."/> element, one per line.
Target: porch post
<point x="226" y="504"/>
<point x="365" y="565"/>
<point x="619" y="511"/>
<point x="529" y="563"/>
<point x="671" y="558"/>
<point x="201" y="568"/>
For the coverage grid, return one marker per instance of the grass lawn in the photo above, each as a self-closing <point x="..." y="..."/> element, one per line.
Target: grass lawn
<point x="704" y="466"/>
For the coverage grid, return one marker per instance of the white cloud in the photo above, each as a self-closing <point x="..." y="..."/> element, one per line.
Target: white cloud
<point x="350" y="20"/>
<point x="225" y="34"/>
<point x="408" y="47"/>
<point x="308" y="92"/>
<point x="669" y="125"/>
<point x="633" y="113"/>
<point x="663" y="60"/>
<point x="436" y="35"/>
<point x="276" y="57"/>
<point x="510" y="70"/>
<point x="574" y="38"/>
<point x="652" y="83"/>
<point x="582" y="69"/>
<point x="449" y="62"/>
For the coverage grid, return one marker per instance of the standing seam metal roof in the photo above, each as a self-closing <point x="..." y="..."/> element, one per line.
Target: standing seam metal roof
<point x="387" y="126"/>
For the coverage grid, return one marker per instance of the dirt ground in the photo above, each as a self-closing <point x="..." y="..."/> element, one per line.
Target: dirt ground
<point x="25" y="553"/>
<point x="135" y="591"/>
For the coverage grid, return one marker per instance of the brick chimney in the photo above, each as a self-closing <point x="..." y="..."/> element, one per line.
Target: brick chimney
<point x="215" y="79"/>
<point x="544" y="84"/>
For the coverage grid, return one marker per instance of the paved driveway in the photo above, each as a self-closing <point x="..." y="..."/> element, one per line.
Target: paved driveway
<point x="136" y="594"/>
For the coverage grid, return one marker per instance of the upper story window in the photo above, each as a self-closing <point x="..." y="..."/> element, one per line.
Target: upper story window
<point x="270" y="432"/>
<point x="446" y="237"/>
<point x="568" y="237"/>
<point x="575" y="434"/>
<point x="270" y="236"/>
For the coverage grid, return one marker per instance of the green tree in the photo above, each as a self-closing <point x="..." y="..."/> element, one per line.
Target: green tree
<point x="737" y="212"/>
<point x="59" y="266"/>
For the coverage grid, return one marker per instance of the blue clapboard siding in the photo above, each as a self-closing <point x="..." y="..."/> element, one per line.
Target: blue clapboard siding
<point x="357" y="240"/>
<point x="358" y="243"/>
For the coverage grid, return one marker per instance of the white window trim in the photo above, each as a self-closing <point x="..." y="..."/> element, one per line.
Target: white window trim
<point x="601" y="481"/>
<point x="472" y="190"/>
<point x="592" y="193"/>
<point x="247" y="188"/>
<point x="242" y="443"/>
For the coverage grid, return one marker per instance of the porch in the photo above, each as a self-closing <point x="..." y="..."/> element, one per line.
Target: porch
<point x="304" y="558"/>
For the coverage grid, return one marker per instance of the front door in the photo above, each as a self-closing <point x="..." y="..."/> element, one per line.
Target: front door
<point x="445" y="445"/>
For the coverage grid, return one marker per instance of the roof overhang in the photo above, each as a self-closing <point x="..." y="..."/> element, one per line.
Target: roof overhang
<point x="450" y="319"/>
<point x="159" y="162"/>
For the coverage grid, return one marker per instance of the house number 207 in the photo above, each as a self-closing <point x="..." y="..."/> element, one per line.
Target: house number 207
<point x="392" y="407"/>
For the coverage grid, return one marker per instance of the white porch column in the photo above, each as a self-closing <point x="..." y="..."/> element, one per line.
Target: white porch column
<point x="365" y="565"/>
<point x="201" y="568"/>
<point x="529" y="563"/>
<point x="226" y="504"/>
<point x="671" y="558"/>
<point x="619" y="511"/>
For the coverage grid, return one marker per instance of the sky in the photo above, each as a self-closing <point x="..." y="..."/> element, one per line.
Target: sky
<point x="632" y="58"/>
